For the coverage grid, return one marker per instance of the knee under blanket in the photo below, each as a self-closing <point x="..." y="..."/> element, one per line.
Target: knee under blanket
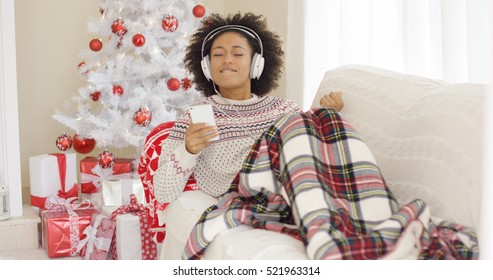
<point x="312" y="177"/>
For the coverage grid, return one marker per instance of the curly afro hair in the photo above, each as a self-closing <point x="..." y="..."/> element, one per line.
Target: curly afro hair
<point x="272" y="47"/>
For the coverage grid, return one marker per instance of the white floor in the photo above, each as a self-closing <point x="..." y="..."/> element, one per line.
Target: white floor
<point x="33" y="254"/>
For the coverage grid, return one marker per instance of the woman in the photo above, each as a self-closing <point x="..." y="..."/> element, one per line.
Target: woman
<point x="274" y="167"/>
<point x="241" y="108"/>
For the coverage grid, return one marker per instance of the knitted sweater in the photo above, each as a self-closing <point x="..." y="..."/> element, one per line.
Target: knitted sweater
<point x="240" y="123"/>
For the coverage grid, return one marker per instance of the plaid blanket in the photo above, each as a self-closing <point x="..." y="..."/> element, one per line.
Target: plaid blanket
<point x="311" y="176"/>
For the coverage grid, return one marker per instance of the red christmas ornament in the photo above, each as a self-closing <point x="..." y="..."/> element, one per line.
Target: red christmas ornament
<point x="96" y="44"/>
<point x="138" y="40"/>
<point x="106" y="159"/>
<point x="118" y="27"/>
<point x="143" y="117"/>
<point x="64" y="142"/>
<point x="120" y="42"/>
<point x="83" y="145"/>
<point x="173" y="84"/>
<point x="169" y="23"/>
<point x="186" y="83"/>
<point x="198" y="11"/>
<point x="82" y="68"/>
<point x="95" y="96"/>
<point x="117" y="90"/>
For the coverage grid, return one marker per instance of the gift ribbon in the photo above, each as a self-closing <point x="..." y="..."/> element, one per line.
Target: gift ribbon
<point x="41" y="202"/>
<point x="99" y="173"/>
<point x="92" y="241"/>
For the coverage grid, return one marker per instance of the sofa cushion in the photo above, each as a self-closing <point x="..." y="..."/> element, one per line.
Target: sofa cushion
<point x="426" y="135"/>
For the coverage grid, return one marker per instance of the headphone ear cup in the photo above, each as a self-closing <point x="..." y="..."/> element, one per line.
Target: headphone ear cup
<point x="206" y="65"/>
<point x="257" y="67"/>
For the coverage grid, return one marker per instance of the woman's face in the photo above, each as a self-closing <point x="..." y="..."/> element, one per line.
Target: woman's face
<point x="231" y="57"/>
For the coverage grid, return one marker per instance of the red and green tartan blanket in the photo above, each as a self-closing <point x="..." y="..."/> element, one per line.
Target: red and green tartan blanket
<point x="311" y="176"/>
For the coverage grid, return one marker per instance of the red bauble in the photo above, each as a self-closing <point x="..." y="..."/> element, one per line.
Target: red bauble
<point x="96" y="44"/>
<point x="186" y="83"/>
<point x="83" y="145"/>
<point x="169" y="23"/>
<point x="95" y="96"/>
<point x="138" y="40"/>
<point x="64" y="142"/>
<point x="82" y="68"/>
<point x="118" y="27"/>
<point x="198" y="11"/>
<point x="120" y="42"/>
<point x="143" y="117"/>
<point x="117" y="90"/>
<point x="173" y="84"/>
<point x="106" y="159"/>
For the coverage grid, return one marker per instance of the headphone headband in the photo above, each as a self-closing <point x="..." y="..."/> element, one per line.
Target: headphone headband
<point x="241" y="28"/>
<point x="258" y="60"/>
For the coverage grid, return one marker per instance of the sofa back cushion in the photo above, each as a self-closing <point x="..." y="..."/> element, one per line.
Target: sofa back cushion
<point x="426" y="135"/>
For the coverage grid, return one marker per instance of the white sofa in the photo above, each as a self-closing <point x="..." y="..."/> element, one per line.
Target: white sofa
<point x="426" y="136"/>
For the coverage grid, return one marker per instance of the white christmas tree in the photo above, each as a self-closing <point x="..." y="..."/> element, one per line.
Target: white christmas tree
<point x="134" y="70"/>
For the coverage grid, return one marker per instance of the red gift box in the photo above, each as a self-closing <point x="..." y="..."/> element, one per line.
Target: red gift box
<point x="91" y="174"/>
<point x="98" y="236"/>
<point x="62" y="230"/>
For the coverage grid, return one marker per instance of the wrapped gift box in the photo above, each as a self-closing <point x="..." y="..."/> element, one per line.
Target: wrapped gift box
<point x="116" y="193"/>
<point x="108" y="210"/>
<point x="128" y="240"/>
<point x="133" y="238"/>
<point x="92" y="175"/>
<point x="97" y="241"/>
<point x="46" y="178"/>
<point x="61" y="233"/>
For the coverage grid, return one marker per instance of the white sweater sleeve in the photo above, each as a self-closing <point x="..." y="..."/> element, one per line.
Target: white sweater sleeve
<point x="176" y="165"/>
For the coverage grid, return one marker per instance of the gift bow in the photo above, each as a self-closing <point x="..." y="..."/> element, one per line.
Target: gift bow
<point x="72" y="194"/>
<point x="92" y="241"/>
<point x="133" y="206"/>
<point x="99" y="173"/>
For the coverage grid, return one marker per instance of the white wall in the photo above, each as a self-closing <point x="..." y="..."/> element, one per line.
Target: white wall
<point x="485" y="233"/>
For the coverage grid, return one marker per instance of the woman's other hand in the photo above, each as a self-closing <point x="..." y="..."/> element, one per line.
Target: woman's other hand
<point x="332" y="100"/>
<point x="198" y="135"/>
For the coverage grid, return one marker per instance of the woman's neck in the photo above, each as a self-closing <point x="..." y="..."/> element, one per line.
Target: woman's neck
<point x="243" y="94"/>
<point x="224" y="100"/>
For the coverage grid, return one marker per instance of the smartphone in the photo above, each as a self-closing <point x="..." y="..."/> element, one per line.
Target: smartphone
<point x="203" y="114"/>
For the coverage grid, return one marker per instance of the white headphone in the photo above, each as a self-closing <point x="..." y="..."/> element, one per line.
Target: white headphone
<point x="258" y="60"/>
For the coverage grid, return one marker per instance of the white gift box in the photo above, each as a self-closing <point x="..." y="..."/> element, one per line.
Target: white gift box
<point x="128" y="240"/>
<point x="45" y="177"/>
<point x="95" y="198"/>
<point x="108" y="210"/>
<point x="116" y="193"/>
